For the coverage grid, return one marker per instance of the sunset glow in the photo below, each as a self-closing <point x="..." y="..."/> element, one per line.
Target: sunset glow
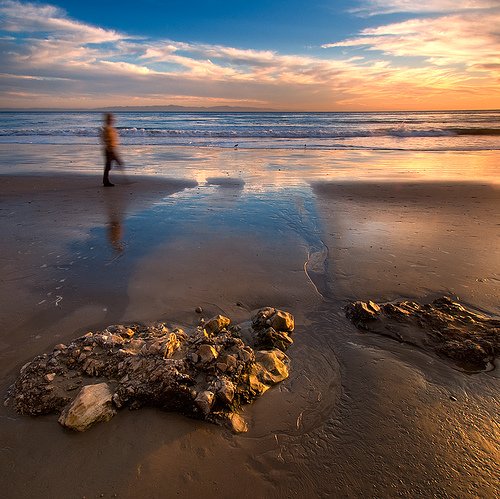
<point x="394" y="55"/>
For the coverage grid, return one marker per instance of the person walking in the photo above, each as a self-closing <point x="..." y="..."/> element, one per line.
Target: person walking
<point x="109" y="138"/>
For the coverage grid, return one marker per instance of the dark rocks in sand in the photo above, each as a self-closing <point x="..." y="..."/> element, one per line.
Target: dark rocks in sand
<point x="469" y="339"/>
<point x="217" y="324"/>
<point x="271" y="317"/>
<point x="362" y="311"/>
<point x="209" y="373"/>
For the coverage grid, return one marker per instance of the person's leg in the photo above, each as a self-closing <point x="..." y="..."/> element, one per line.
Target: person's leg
<point x="107" y="167"/>
<point x="118" y="159"/>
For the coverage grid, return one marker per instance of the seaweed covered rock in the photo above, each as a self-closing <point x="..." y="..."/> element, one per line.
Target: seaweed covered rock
<point x="209" y="373"/>
<point x="469" y="339"/>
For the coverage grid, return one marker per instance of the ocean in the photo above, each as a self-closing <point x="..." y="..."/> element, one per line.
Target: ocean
<point x="397" y="131"/>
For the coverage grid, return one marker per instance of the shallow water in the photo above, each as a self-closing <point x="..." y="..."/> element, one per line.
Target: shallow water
<point x="359" y="415"/>
<point x="256" y="169"/>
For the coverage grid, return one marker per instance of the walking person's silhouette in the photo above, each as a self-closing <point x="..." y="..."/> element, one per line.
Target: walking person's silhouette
<point x="109" y="138"/>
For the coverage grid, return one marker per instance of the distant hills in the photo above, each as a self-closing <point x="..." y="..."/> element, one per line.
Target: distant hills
<point x="157" y="109"/>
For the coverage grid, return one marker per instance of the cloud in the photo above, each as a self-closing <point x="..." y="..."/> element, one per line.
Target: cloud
<point x="36" y="18"/>
<point x="461" y="39"/>
<point x="125" y="68"/>
<point x="374" y="7"/>
<point x="61" y="61"/>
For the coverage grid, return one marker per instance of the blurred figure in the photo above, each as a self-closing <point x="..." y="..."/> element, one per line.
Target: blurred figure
<point x="109" y="138"/>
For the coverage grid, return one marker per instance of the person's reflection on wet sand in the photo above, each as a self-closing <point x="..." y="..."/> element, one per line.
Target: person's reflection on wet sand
<point x="115" y="235"/>
<point x="115" y="203"/>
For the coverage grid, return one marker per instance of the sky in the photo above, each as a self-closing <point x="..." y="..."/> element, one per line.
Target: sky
<point x="290" y="55"/>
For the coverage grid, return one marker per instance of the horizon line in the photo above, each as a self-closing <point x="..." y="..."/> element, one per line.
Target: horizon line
<point x="227" y="108"/>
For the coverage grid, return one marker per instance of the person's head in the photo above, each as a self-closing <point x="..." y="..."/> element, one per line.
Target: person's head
<point x="109" y="118"/>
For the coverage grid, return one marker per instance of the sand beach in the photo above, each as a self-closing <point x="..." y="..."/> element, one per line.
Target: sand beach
<point x="231" y="231"/>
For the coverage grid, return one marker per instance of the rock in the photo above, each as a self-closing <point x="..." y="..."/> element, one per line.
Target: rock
<point x="231" y="361"/>
<point x="226" y="392"/>
<point x="91" y="405"/>
<point x="257" y="388"/>
<point x="217" y="324"/>
<point x="272" y="366"/>
<point x="246" y="332"/>
<point x="269" y="368"/>
<point x="238" y="424"/>
<point x="282" y="321"/>
<point x="207" y="353"/>
<point x="362" y="311"/>
<point x="464" y="350"/>
<point x="261" y="317"/>
<point x="275" y="318"/>
<point x="172" y="345"/>
<point x="198" y="310"/>
<point x="127" y="332"/>
<point x="246" y="354"/>
<point x="136" y="344"/>
<point x="205" y="400"/>
<point x="270" y="339"/>
<point x="114" y="339"/>
<point x="208" y="373"/>
<point x="373" y="307"/>
<point x="469" y="339"/>
<point x="117" y="401"/>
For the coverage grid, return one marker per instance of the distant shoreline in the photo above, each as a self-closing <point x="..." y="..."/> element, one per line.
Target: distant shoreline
<point x="220" y="109"/>
<point x="142" y="109"/>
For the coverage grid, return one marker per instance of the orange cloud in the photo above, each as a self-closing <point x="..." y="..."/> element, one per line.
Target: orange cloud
<point x="373" y="7"/>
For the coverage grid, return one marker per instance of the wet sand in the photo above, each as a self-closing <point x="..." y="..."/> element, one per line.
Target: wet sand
<point x="391" y="240"/>
<point x="360" y="415"/>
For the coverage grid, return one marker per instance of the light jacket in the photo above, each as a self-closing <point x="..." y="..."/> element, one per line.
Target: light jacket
<point x="109" y="137"/>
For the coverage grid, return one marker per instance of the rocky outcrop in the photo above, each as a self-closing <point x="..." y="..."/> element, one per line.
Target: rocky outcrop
<point x="471" y="340"/>
<point x="209" y="373"/>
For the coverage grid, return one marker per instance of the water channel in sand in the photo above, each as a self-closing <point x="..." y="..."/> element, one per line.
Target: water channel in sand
<point x="236" y="230"/>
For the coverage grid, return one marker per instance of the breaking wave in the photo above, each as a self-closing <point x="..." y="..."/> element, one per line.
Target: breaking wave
<point x="474" y="130"/>
<point x="257" y="132"/>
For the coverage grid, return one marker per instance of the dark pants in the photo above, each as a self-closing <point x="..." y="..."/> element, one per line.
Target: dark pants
<point x="110" y="156"/>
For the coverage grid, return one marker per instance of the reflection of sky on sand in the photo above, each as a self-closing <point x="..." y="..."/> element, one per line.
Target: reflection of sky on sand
<point x="392" y="240"/>
<point x="258" y="169"/>
<point x="251" y="211"/>
<point x="254" y="231"/>
<point x="262" y="169"/>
